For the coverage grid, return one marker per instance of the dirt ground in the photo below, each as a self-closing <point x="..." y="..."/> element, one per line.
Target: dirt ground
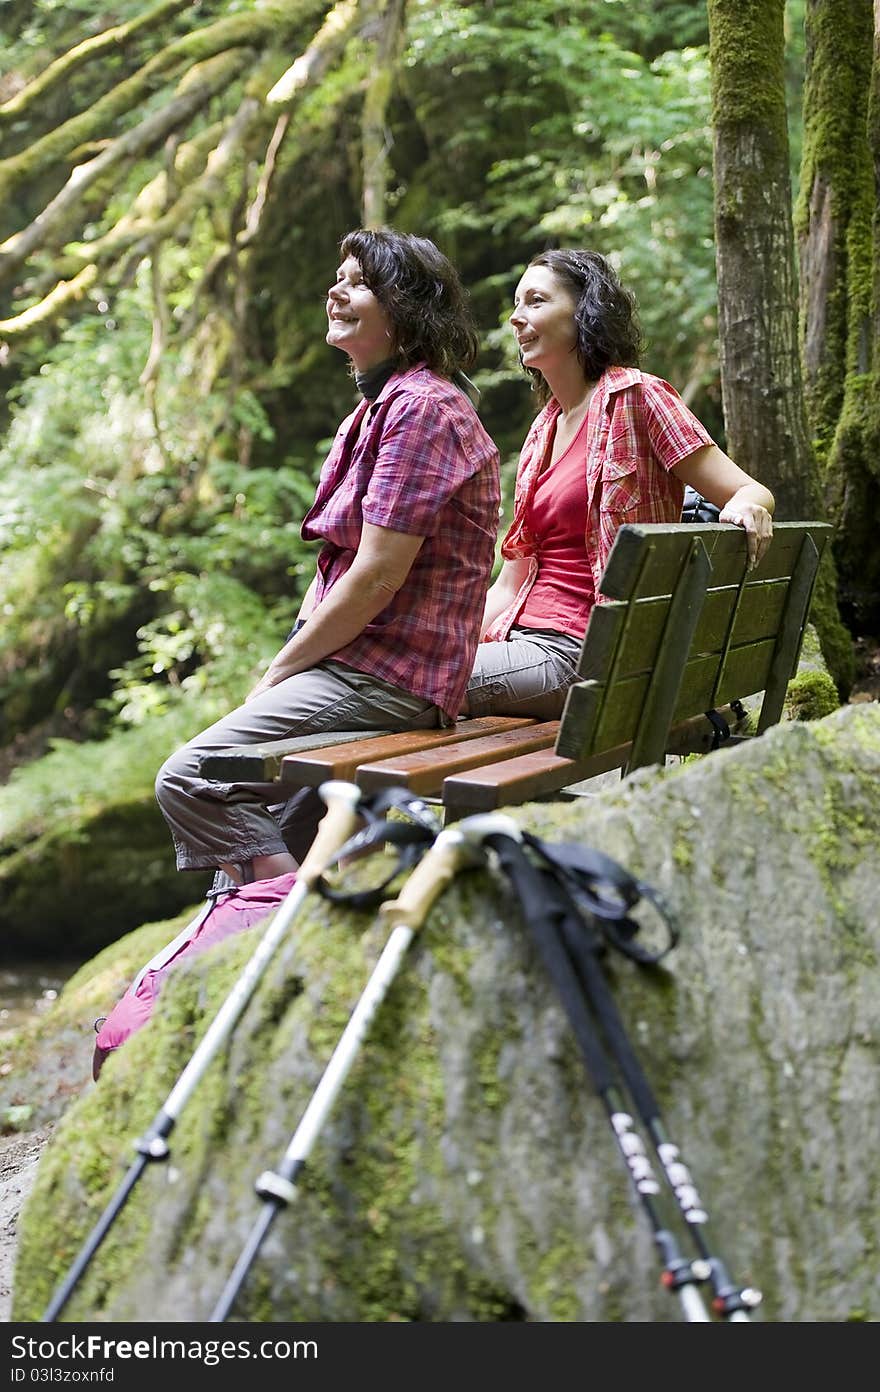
<point x="19" y="1155"/>
<point x="867" y="683"/>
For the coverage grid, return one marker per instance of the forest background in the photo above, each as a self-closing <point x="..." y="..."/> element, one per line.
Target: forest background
<point x="175" y="179"/>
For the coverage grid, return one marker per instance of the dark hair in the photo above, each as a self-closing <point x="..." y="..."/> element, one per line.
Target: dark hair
<point x="419" y="290"/>
<point x="605" y="316"/>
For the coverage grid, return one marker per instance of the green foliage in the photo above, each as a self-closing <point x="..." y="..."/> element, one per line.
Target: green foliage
<point x="191" y="550"/>
<point x="71" y="781"/>
<point x="563" y="135"/>
<point x="220" y="635"/>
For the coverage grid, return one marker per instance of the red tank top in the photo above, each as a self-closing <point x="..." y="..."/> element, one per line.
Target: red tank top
<point x="562" y="595"/>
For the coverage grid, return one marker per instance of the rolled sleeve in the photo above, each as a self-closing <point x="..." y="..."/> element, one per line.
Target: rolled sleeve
<point x="420" y="464"/>
<point x="674" y="431"/>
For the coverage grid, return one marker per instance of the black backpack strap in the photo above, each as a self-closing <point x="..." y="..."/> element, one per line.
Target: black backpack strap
<point x="544" y="910"/>
<point x="412" y="838"/>
<point x="720" y="727"/>
<point x="603" y="888"/>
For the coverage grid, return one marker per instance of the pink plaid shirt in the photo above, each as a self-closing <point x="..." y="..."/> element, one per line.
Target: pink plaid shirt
<point x="424" y="465"/>
<point x="638" y="429"/>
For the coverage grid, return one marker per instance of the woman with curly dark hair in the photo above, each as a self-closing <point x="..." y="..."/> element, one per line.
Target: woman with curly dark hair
<point x="407" y="513"/>
<point x="611" y="445"/>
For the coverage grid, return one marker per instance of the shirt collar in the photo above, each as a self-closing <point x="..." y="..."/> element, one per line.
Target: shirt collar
<point x="613" y="379"/>
<point x="393" y="380"/>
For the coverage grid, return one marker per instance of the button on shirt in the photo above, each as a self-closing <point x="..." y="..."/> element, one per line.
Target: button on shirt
<point x="424" y="465"/>
<point x="638" y="429"/>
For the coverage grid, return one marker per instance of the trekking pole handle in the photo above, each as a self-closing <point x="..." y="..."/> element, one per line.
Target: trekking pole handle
<point x="334" y="829"/>
<point x="434" y="872"/>
<point x="477" y="829"/>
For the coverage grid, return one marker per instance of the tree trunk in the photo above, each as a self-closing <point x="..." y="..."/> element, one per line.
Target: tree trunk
<point x="757" y="289"/>
<point x="761" y="379"/>
<point x="836" y="191"/>
<point x="840" y="273"/>
<point x="375" y="138"/>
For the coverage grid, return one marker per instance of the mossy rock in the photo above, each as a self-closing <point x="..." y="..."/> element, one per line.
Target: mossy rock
<point x="82" y="885"/>
<point x="812" y="692"/>
<point x="467" y="1171"/>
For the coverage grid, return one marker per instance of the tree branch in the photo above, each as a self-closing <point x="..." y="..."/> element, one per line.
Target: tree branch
<point x="196" y="90"/>
<point x="310" y="66"/>
<point x="61" y="69"/>
<point x="149" y="378"/>
<point x="144" y="233"/>
<point x="147" y="205"/>
<point x="255" y="211"/>
<point x="66" y="292"/>
<point x="306" y="70"/>
<point x="255" y="30"/>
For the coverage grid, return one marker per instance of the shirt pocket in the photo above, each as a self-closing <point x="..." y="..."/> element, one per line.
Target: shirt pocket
<point x="621" y="485"/>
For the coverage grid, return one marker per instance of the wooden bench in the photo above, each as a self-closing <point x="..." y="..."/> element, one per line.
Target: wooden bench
<point x="686" y="628"/>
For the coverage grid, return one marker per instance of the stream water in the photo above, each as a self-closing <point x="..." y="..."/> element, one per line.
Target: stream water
<point x="29" y="988"/>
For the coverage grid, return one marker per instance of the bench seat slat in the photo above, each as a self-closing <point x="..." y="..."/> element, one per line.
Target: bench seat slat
<point x="533" y="775"/>
<point x="424" y="771"/>
<point x="261" y="763"/>
<point x="311" y="769"/>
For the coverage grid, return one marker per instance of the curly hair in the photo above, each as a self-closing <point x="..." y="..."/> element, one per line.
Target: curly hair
<point x="420" y="291"/>
<point x="607" y="328"/>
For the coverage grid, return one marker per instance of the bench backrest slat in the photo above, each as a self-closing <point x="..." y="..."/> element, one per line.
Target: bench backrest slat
<point x="593" y="725"/>
<point x="688" y="628"/>
<point x="756" y="610"/>
<point x="679" y="624"/>
<point x="631" y="569"/>
<point x="791" y="632"/>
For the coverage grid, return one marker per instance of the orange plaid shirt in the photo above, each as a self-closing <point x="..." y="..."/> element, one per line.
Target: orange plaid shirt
<point x="638" y="430"/>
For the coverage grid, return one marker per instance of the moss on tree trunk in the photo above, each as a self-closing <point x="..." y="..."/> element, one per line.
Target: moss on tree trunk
<point x="761" y="379"/>
<point x="840" y="282"/>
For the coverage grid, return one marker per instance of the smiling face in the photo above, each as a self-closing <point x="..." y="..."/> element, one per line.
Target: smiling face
<point x="356" y="321"/>
<point x="543" y="320"/>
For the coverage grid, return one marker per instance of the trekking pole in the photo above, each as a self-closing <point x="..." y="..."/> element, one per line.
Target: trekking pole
<point x="558" y="928"/>
<point x="333" y="831"/>
<point x="278" y="1188"/>
<point x="728" y="1300"/>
